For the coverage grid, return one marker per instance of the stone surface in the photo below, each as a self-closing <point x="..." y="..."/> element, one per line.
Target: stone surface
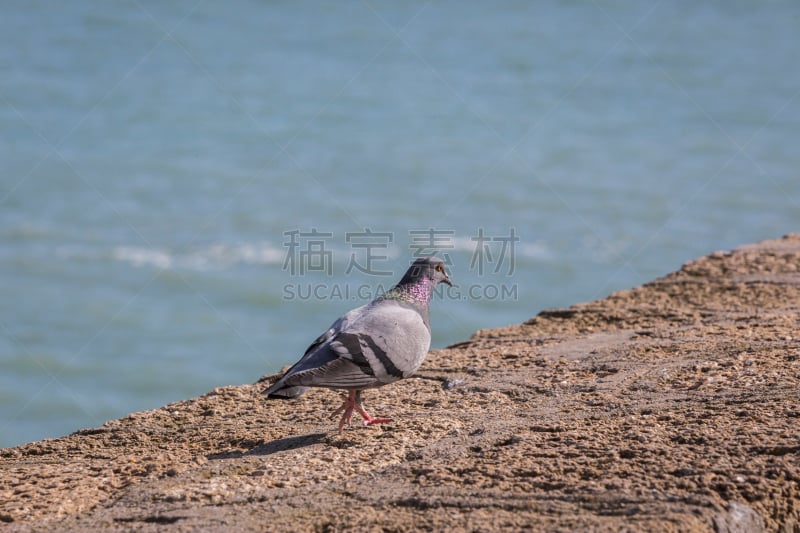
<point x="674" y="406"/>
<point x="738" y="518"/>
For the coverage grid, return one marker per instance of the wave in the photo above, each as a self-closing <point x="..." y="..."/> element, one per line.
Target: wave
<point x="213" y="257"/>
<point x="222" y="256"/>
<point x="529" y="250"/>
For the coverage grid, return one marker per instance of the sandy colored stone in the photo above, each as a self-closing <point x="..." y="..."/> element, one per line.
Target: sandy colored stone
<point x="674" y="406"/>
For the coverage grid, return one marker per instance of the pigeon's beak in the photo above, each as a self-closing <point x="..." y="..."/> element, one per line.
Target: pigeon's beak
<point x="447" y="280"/>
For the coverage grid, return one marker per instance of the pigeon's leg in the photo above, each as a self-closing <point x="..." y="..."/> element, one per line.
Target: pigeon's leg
<point x="347" y="409"/>
<point x="368" y="420"/>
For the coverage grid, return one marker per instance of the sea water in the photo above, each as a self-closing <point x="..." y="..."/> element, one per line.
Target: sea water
<point x="192" y="191"/>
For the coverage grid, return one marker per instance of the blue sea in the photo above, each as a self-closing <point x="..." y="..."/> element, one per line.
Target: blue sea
<point x="191" y="191"/>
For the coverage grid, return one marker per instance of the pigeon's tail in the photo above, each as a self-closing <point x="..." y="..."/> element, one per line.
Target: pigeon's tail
<point x="283" y="392"/>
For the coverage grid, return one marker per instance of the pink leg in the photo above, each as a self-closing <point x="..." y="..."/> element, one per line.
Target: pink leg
<point x="353" y="402"/>
<point x="347" y="409"/>
<point x="368" y="420"/>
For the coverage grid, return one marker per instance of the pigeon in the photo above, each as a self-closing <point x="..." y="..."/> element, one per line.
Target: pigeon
<point x="378" y="343"/>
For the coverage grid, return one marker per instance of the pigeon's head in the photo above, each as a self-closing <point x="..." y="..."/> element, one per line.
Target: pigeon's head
<point x="431" y="268"/>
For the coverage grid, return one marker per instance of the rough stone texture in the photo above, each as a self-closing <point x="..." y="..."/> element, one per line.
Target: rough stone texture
<point x="674" y="406"/>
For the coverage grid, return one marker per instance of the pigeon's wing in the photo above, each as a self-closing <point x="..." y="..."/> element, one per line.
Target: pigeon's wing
<point x="384" y="342"/>
<point x="337" y="363"/>
<point x="320" y="358"/>
<point x="319" y="341"/>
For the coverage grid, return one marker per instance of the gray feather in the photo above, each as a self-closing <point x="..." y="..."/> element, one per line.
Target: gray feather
<point x="371" y="345"/>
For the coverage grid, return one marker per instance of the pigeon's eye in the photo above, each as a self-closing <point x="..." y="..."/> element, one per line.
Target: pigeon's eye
<point x="439" y="268"/>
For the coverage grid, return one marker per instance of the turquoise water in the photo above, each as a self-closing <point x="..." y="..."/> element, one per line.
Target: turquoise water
<point x="157" y="156"/>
